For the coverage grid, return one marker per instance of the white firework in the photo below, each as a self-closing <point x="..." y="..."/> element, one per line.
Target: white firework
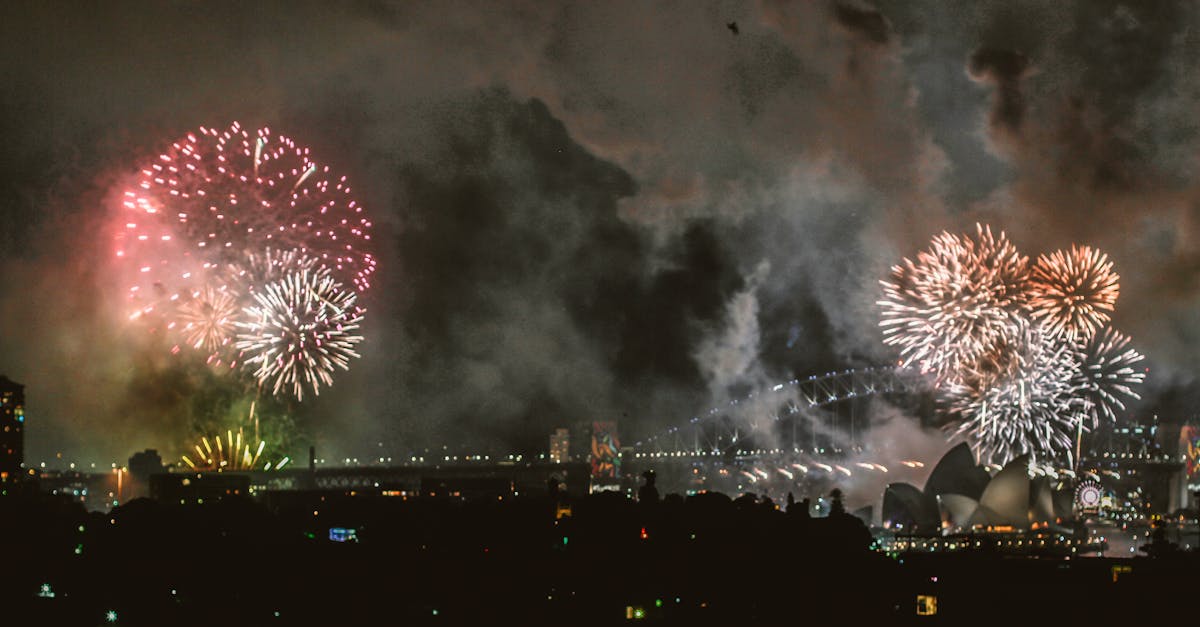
<point x="1107" y="373"/>
<point x="1018" y="356"/>
<point x="257" y="269"/>
<point x="209" y="320"/>
<point x="299" y="331"/>
<point x="1019" y="398"/>
<point x="958" y="299"/>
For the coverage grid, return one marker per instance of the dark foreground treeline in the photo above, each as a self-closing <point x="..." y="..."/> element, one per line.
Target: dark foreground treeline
<point x="701" y="560"/>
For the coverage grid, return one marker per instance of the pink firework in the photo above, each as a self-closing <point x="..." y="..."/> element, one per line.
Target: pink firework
<point x="215" y="196"/>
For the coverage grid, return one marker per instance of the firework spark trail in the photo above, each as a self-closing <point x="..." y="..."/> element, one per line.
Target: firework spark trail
<point x="257" y="269"/>
<point x="214" y="195"/>
<point x="299" y="331"/>
<point x="1021" y="358"/>
<point x="1107" y="373"/>
<point x="208" y="319"/>
<point x="956" y="300"/>
<point x="1018" y="399"/>
<point x="234" y="453"/>
<point x="240" y="242"/>
<point x="1073" y="293"/>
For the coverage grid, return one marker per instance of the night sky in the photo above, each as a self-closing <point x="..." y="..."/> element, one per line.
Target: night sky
<point x="602" y="210"/>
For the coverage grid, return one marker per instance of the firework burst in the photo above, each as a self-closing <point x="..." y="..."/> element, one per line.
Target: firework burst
<point x="233" y="452"/>
<point x="256" y="270"/>
<point x="1107" y="374"/>
<point x="240" y="241"/>
<point x="208" y="319"/>
<point x="1018" y="399"/>
<point x="1073" y="293"/>
<point x="954" y="302"/>
<point x="1021" y="360"/>
<point x="299" y="330"/>
<point x="216" y="195"/>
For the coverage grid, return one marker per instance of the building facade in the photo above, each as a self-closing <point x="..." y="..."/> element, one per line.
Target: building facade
<point x="12" y="428"/>
<point x="560" y="446"/>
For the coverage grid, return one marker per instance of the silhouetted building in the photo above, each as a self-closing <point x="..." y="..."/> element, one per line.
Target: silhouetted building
<point x="12" y="428"/>
<point x="142" y="466"/>
<point x="560" y="446"/>
<point x="145" y="463"/>
<point x="197" y="488"/>
<point x="648" y="493"/>
<point x="579" y="445"/>
<point x="95" y="491"/>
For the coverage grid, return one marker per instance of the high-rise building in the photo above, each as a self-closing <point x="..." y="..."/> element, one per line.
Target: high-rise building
<point x="580" y="446"/>
<point x="560" y="446"/>
<point x="12" y="428"/>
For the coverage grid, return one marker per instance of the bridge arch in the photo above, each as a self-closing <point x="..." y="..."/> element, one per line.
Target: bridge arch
<point x="799" y="415"/>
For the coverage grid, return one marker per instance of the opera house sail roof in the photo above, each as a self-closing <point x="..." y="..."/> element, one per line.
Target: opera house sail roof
<point x="960" y="494"/>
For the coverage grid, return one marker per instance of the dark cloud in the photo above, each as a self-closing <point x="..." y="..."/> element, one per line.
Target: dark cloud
<point x="867" y="23"/>
<point x="1003" y="69"/>
<point x="524" y="298"/>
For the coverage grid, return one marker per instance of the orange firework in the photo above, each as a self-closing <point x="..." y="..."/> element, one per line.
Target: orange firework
<point x="1072" y="293"/>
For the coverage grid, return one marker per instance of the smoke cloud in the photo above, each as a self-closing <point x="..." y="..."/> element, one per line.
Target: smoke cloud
<point x="594" y="210"/>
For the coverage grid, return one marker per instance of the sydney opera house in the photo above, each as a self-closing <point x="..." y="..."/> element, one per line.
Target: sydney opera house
<point x="962" y="506"/>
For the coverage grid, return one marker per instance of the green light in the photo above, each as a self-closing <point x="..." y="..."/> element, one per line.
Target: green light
<point x="111" y="616"/>
<point x="657" y="602"/>
<point x="639" y="613"/>
<point x="79" y="549"/>
<point x="435" y="612"/>
<point x="565" y="539"/>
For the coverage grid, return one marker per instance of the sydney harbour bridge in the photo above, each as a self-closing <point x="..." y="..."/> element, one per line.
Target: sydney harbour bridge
<point x="815" y="424"/>
<point x="819" y="415"/>
<point x="806" y="435"/>
<point x="803" y="436"/>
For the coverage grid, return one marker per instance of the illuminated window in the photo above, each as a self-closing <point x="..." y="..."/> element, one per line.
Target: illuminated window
<point x="926" y="605"/>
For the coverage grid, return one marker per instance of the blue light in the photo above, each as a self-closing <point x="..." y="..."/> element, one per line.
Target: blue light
<point x="341" y="534"/>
